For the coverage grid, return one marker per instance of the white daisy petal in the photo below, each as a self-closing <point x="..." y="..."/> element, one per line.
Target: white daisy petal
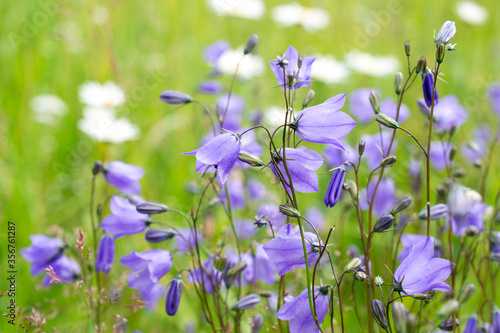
<point x="368" y="64"/>
<point x="249" y="9"/>
<point x="101" y="125"/>
<point x="329" y="70"/>
<point x="250" y="66"/>
<point x="294" y="14"/>
<point x="47" y="109"/>
<point x="108" y="95"/>
<point x="472" y="13"/>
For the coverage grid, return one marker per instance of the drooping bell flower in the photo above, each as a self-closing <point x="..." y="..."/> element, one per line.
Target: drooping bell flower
<point x="213" y="52"/>
<point x="174" y="296"/>
<point x="210" y="87"/>
<point x="334" y="189"/>
<point x="302" y="164"/>
<point x="212" y="277"/>
<point x="475" y="149"/>
<point x="420" y="272"/>
<point x="385" y="197"/>
<point x="231" y="111"/>
<point x="185" y="240"/>
<point x="286" y="250"/>
<point x="360" y="106"/>
<point x="125" y="177"/>
<point x="316" y="217"/>
<point x="473" y="220"/>
<point x="336" y="157"/>
<point x="449" y="113"/>
<point x="390" y="108"/>
<point x="298" y="311"/>
<point x="440" y="154"/>
<point x="377" y="146"/>
<point x="124" y="218"/>
<point x="446" y="33"/>
<point x="471" y="325"/>
<point x="246" y="276"/>
<point x="221" y="153"/>
<point x="295" y="75"/>
<point x="427" y="87"/>
<point x="264" y="269"/>
<point x="66" y="271"/>
<point x="42" y="252"/>
<point x="105" y="254"/>
<point x="408" y="240"/>
<point x="324" y="123"/>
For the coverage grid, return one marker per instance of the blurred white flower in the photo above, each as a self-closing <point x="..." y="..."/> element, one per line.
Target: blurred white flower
<point x="329" y="70"/>
<point x="310" y="18"/>
<point x="472" y="13"/>
<point x="250" y="66"/>
<point x="274" y="116"/>
<point x="250" y="9"/>
<point x="102" y="126"/>
<point x="372" y="65"/>
<point x="107" y="95"/>
<point x="47" y="109"/>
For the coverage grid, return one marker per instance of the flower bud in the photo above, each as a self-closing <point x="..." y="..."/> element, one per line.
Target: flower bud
<point x="375" y="101"/>
<point x="97" y="168"/>
<point x="350" y="186"/>
<point x="158" y="235"/>
<point x="151" y="208"/>
<point x="398" y="82"/>
<point x="400" y="317"/>
<point x="175" y="97"/>
<point x="334" y="189"/>
<point x="467" y="291"/>
<point x="354" y="263"/>
<point x="401" y="205"/>
<point x="422" y="106"/>
<point x="471" y="231"/>
<point x="237" y="269"/>
<point x="257" y="322"/>
<point x="361" y="148"/>
<point x="383" y="223"/>
<point x="448" y="308"/>
<point x="440" y="51"/>
<point x="378" y="310"/>
<point x="423" y="297"/>
<point x="386" y="121"/>
<point x="446" y="33"/>
<point x="250" y="159"/>
<point x="437" y="211"/>
<point x="459" y="173"/>
<point x="308" y="98"/>
<point x="266" y="294"/>
<point x="361" y="276"/>
<point x="288" y="210"/>
<point x="247" y="302"/>
<point x="421" y="65"/>
<point x="407" y="48"/>
<point x="388" y="161"/>
<point x="447" y="325"/>
<point x="411" y="323"/>
<point x="252" y="41"/>
<point x="379" y="281"/>
<point x="174" y="296"/>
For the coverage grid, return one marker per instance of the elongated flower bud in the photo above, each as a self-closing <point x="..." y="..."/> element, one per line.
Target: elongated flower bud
<point x="151" y="208"/>
<point x="421" y="65"/>
<point x="257" y="322"/>
<point x="398" y="82"/>
<point x="422" y="106"/>
<point x="386" y="121"/>
<point x="97" y="168"/>
<point x="378" y="310"/>
<point x="361" y="276"/>
<point x="174" y="296"/>
<point x="250" y="159"/>
<point x="105" y="254"/>
<point x="236" y="269"/>
<point x="158" y="235"/>
<point x="411" y="323"/>
<point x="355" y="262"/>
<point x="467" y="291"/>
<point x="251" y="43"/>
<point x="247" y="302"/>
<point x="448" y="308"/>
<point x="383" y="223"/>
<point x="289" y="211"/>
<point x="400" y="317"/>
<point x="401" y="205"/>
<point x="388" y="161"/>
<point x="375" y="101"/>
<point x="334" y="189"/>
<point x="175" y="97"/>
<point x="407" y="48"/>
<point x="446" y="33"/>
<point x="361" y="147"/>
<point x="308" y="98"/>
<point x="437" y="211"/>
<point x="440" y="51"/>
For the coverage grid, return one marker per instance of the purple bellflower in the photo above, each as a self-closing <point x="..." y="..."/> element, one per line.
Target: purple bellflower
<point x="336" y="157"/>
<point x="316" y="217"/>
<point x="236" y="191"/>
<point x="256" y="189"/>
<point x="210" y="87"/>
<point x="245" y="228"/>
<point x="360" y="106"/>
<point x="495" y="246"/>
<point x="475" y="149"/>
<point x="408" y="240"/>
<point x="105" y="254"/>
<point x="377" y="146"/>
<point x="440" y="154"/>
<point x="286" y="249"/>
<point x="297" y="310"/>
<point x="125" y="177"/>
<point x="67" y="271"/>
<point x="472" y="220"/>
<point x="390" y="108"/>
<point x="471" y="325"/>
<point x="324" y="123"/>
<point x="147" y="269"/>
<point x="264" y="269"/>
<point x="42" y="252"/>
<point x="420" y="272"/>
<point x="124" y="218"/>
<point x="494" y="94"/>
<point x="449" y="113"/>
<point x="186" y="235"/>
<point x="271" y="211"/>
<point x="427" y="86"/>
<point x="173" y="296"/>
<point x="385" y="197"/>
<point x="301" y="77"/>
<point x="212" y="278"/>
<point x="334" y="189"/>
<point x="231" y="111"/>
<point x="213" y="52"/>
<point x="495" y="320"/>
<point x="302" y="164"/>
<point x="247" y="275"/>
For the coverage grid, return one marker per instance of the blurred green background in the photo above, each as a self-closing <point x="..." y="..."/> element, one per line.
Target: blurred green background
<point x="45" y="170"/>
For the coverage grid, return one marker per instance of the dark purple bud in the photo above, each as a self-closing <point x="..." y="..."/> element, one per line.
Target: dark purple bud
<point x="288" y="210"/>
<point x="427" y="87"/>
<point x="383" y="223"/>
<point x="334" y="189"/>
<point x="105" y="254"/>
<point x="174" y="296"/>
<point x="378" y="310"/>
<point x="401" y="205"/>
<point x="151" y="208"/>
<point x="158" y="235"/>
<point x="247" y="302"/>
<point x="447" y="325"/>
<point x="97" y="168"/>
<point x="251" y="43"/>
<point x="261" y="220"/>
<point x="437" y="211"/>
<point x="175" y="97"/>
<point x="257" y="322"/>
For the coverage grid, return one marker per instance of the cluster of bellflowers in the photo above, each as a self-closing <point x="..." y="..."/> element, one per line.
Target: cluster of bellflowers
<point x="422" y="250"/>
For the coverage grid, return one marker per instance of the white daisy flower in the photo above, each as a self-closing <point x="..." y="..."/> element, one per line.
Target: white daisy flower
<point x="310" y="18"/>
<point x="249" y="9"/>
<point x="107" y="95"/>
<point x="101" y="125"/>
<point x="47" y="109"/>
<point x="250" y="66"/>
<point x="368" y="64"/>
<point x="329" y="70"/>
<point x="472" y="13"/>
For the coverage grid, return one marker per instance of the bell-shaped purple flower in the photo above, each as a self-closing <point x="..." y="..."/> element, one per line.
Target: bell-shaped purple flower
<point x="316" y="217"/>
<point x="286" y="249"/>
<point x="336" y="157"/>
<point x="334" y="189"/>
<point x="390" y="108"/>
<point x="264" y="269"/>
<point x="247" y="274"/>
<point x="42" y="252"/>
<point x="495" y="320"/>
<point x="449" y="113"/>
<point x="301" y="76"/>
<point x="376" y="147"/>
<point x="298" y="311"/>
<point x="256" y="189"/>
<point x="220" y="152"/>
<point x="185" y="239"/>
<point x="420" y="272"/>
<point x="125" y="177"/>
<point x="236" y="190"/>
<point x="324" y="123"/>
<point x="408" y="240"/>
<point x="475" y="149"/>
<point x="302" y="164"/>
<point x="471" y="325"/>
<point x="473" y="219"/>
<point x="66" y="270"/>
<point x="440" y="154"/>
<point x="212" y="277"/>
<point x="173" y="296"/>
<point x="385" y="197"/>
<point x="124" y="218"/>
<point x="105" y="254"/>
<point x="231" y="110"/>
<point x="360" y="106"/>
<point x="427" y="86"/>
<point x="212" y="52"/>
<point x="210" y="87"/>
